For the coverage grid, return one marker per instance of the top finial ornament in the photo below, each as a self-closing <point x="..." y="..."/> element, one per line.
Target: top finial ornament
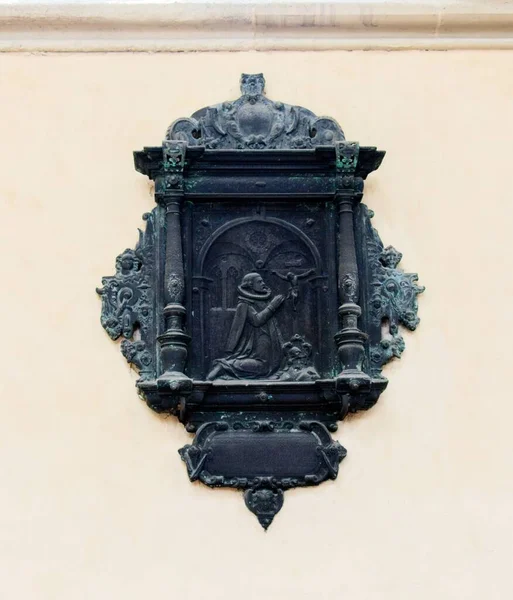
<point x="252" y="85"/>
<point x="254" y="122"/>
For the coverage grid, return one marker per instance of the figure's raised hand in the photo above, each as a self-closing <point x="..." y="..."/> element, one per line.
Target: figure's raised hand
<point x="277" y="301"/>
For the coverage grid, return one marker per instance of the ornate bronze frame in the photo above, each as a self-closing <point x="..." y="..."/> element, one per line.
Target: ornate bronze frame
<point x="251" y="193"/>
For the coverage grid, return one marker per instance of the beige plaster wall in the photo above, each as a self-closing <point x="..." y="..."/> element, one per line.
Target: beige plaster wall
<point x="95" y="502"/>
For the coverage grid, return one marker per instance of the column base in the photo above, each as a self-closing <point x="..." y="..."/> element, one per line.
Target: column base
<point x="174" y="381"/>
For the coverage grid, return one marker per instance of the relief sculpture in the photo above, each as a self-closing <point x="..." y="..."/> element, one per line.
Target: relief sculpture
<point x="260" y="305"/>
<point x="254" y="343"/>
<point x="293" y="279"/>
<point x="255" y="348"/>
<point x="296" y="364"/>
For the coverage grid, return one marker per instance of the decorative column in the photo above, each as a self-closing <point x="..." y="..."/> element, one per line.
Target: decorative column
<point x="169" y="192"/>
<point x="350" y="339"/>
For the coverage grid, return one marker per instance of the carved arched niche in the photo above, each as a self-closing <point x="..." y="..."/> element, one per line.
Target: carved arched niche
<point x="260" y="304"/>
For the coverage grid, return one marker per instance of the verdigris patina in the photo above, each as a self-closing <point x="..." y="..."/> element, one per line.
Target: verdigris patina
<point x="260" y="304"/>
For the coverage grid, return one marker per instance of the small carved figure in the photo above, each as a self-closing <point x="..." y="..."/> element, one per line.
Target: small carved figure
<point x="121" y="295"/>
<point x="252" y="85"/>
<point x="297" y="364"/>
<point x="128" y="263"/>
<point x="293" y="279"/>
<point x="255" y="343"/>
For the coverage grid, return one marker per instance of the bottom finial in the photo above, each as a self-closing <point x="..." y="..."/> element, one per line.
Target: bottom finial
<point x="264" y="503"/>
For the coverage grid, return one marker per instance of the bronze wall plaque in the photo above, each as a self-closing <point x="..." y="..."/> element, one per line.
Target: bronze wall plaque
<point x="259" y="305"/>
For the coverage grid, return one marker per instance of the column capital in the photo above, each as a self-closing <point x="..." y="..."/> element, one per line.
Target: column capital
<point x="349" y="189"/>
<point x="173" y="154"/>
<point x="169" y="189"/>
<point x="347" y="157"/>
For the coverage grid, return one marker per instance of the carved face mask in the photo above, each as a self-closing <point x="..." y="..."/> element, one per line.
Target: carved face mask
<point x="252" y="85"/>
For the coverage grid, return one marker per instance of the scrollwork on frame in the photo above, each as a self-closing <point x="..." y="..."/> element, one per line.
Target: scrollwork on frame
<point x="208" y="459"/>
<point x="254" y="122"/>
<point x="393" y="300"/>
<point x="128" y="298"/>
<point x="388" y="348"/>
<point x="136" y="353"/>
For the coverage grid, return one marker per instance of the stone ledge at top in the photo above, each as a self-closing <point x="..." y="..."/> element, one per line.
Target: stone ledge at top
<point x="152" y="26"/>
